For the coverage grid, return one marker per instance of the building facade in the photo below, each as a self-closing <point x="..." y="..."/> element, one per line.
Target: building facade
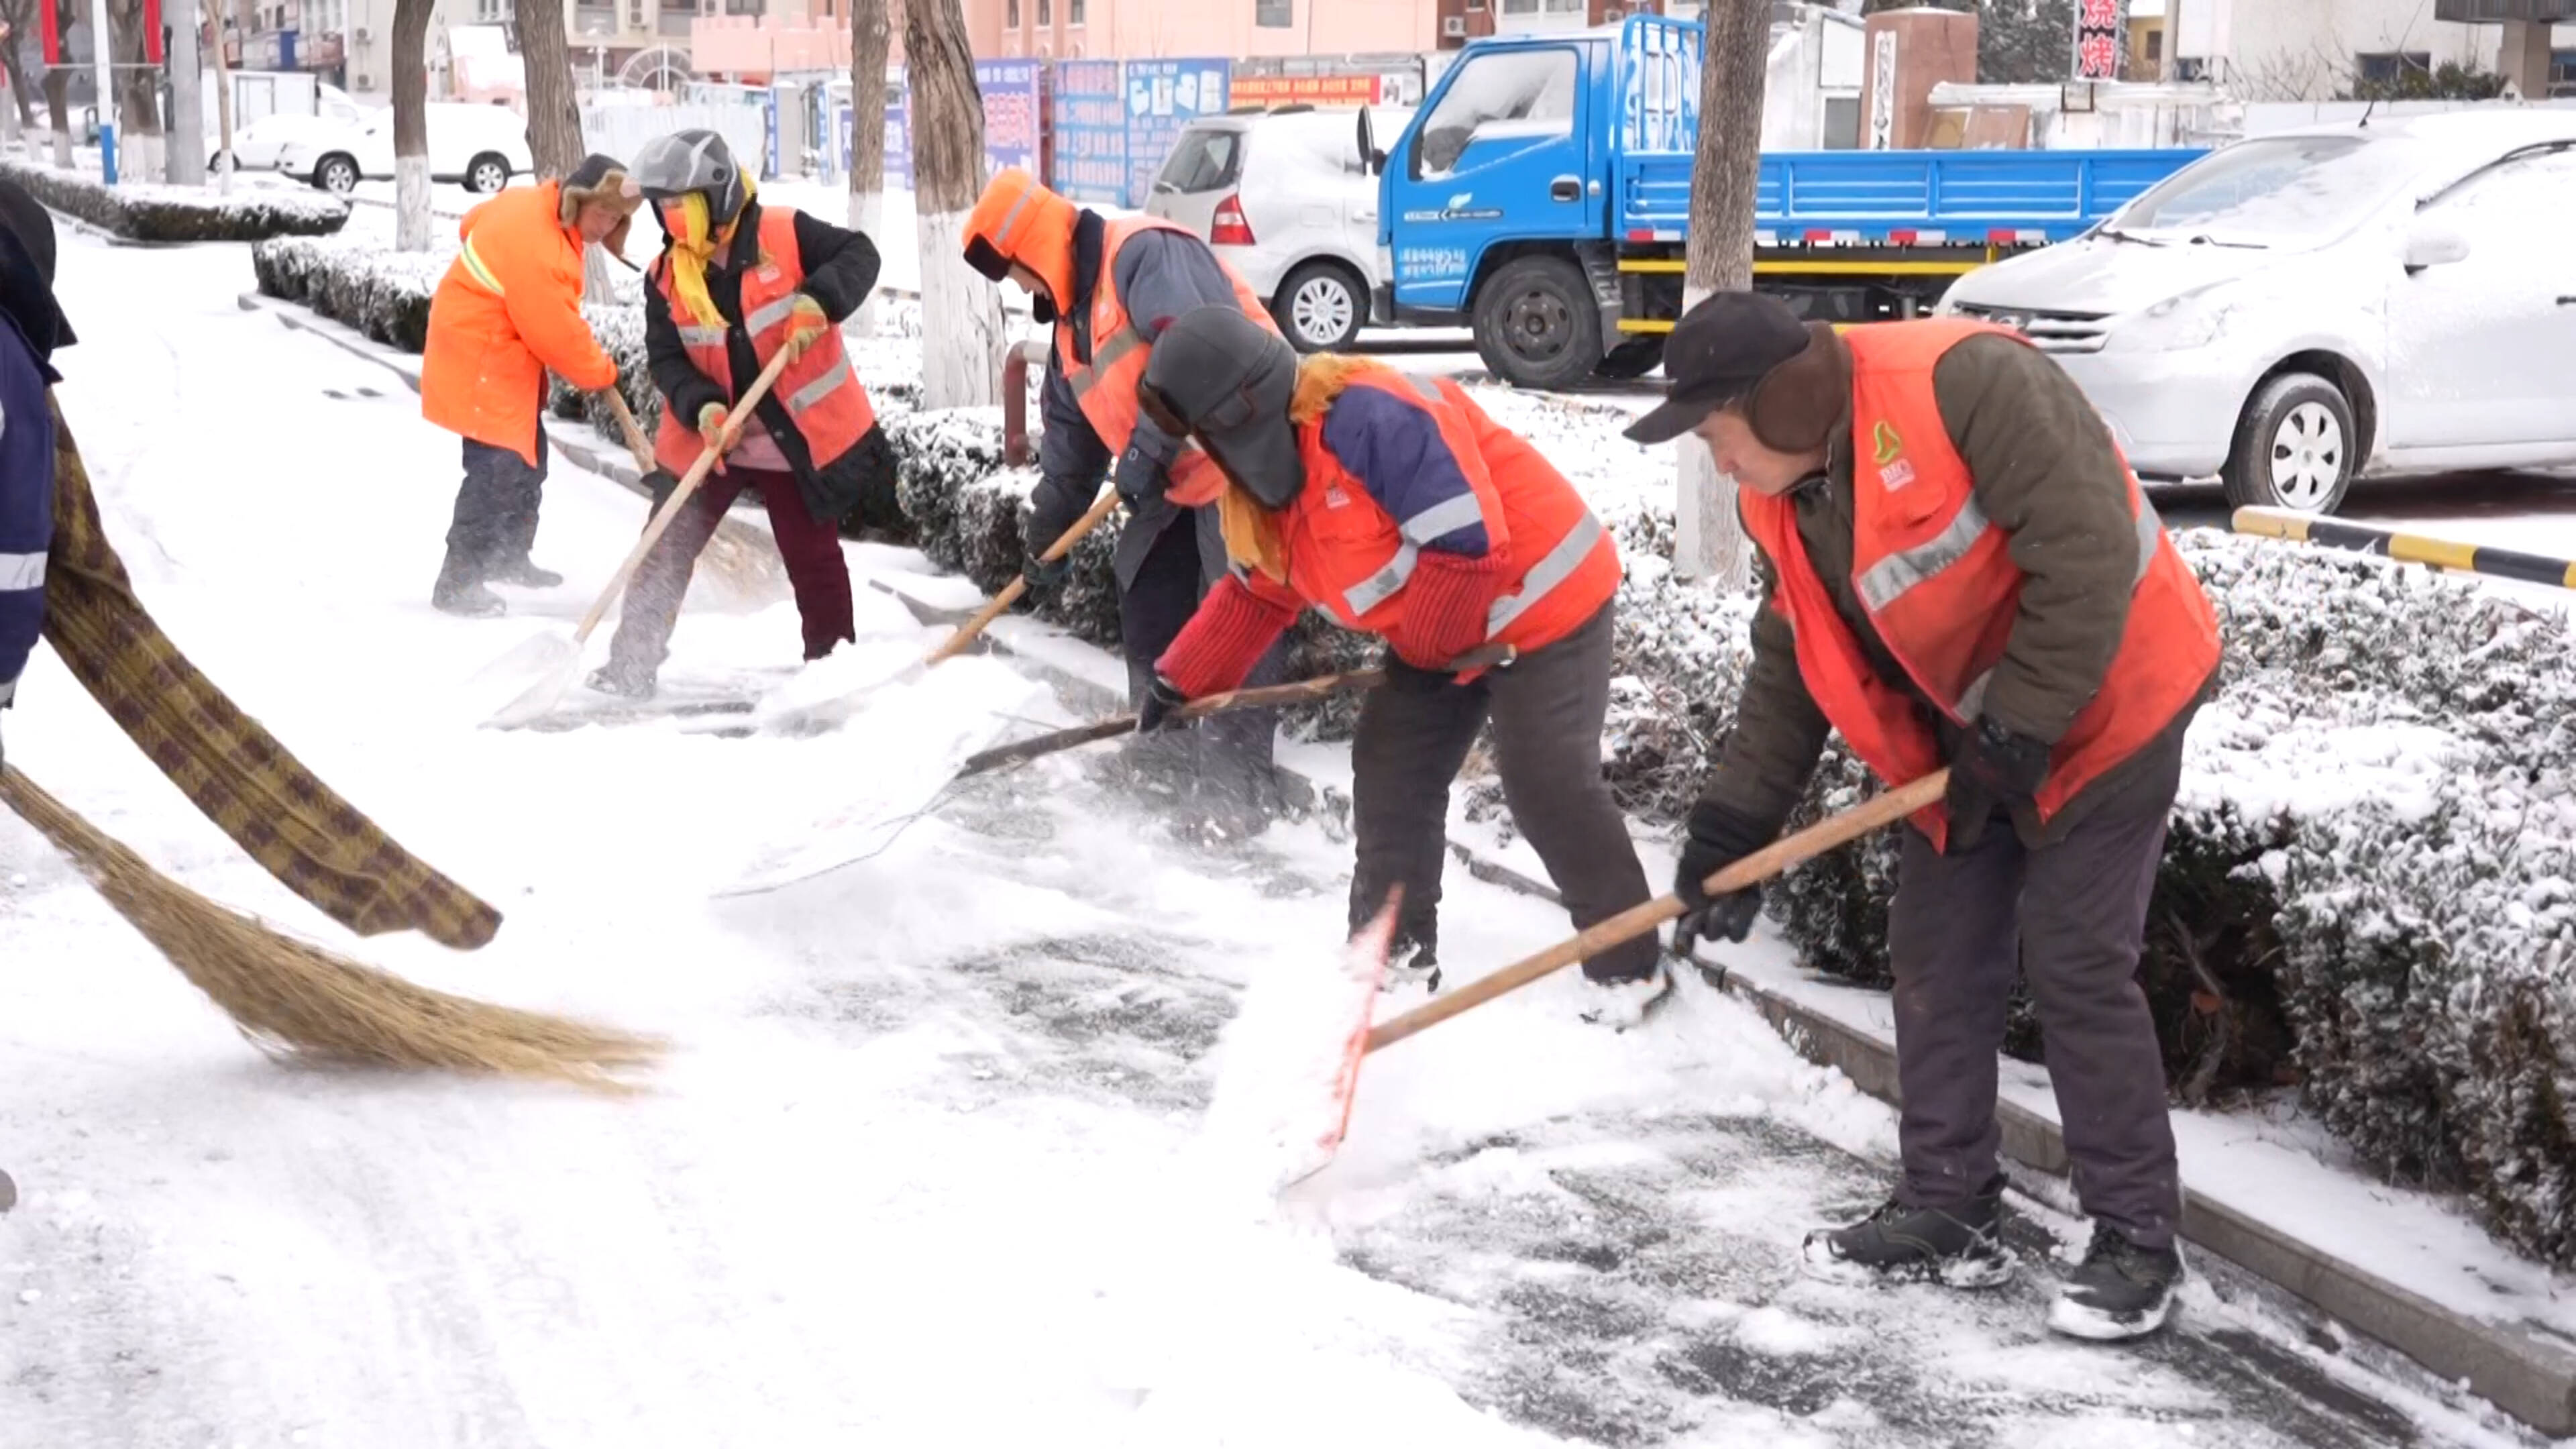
<point x="2318" y="50"/>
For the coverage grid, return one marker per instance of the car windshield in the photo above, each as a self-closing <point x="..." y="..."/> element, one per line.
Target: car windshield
<point x="2280" y="191"/>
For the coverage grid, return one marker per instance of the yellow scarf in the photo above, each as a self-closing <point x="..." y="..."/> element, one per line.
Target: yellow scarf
<point x="694" y="245"/>
<point x="1251" y="532"/>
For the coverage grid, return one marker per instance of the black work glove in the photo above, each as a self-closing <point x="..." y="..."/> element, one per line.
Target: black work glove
<point x="1044" y="526"/>
<point x="1139" y="476"/>
<point x="1161" y="710"/>
<point x="1994" y="767"/>
<point x="1716" y="838"/>
<point x="1041" y="573"/>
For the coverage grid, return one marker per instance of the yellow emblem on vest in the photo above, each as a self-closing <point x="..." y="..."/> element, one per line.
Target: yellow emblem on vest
<point x="1883" y="438"/>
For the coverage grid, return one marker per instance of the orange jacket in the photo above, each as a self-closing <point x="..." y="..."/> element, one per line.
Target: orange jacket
<point x="1938" y="582"/>
<point x="821" y="394"/>
<point x="1427" y="472"/>
<point x="1105" y="387"/>
<point x="508" y="310"/>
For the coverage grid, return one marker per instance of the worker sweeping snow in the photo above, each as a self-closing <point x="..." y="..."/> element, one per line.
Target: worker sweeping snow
<point x="507" y="312"/>
<point x="1110" y="288"/>
<point x="1399" y="507"/>
<point x="1962" y="569"/>
<point x="738" y="284"/>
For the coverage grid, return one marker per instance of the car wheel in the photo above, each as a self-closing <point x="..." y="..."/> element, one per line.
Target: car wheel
<point x="1537" y="325"/>
<point x="336" y="173"/>
<point x="1633" y="359"/>
<point x="486" y="174"/>
<point x="1322" y="307"/>
<point x="2296" y="447"/>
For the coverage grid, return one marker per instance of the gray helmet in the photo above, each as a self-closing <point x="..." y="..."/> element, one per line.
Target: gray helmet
<point x="1229" y="380"/>
<point x="693" y="160"/>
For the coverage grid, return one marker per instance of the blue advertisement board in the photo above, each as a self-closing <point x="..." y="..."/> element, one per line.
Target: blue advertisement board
<point x="1162" y="97"/>
<point x="1013" y="92"/>
<point x="1090" y="109"/>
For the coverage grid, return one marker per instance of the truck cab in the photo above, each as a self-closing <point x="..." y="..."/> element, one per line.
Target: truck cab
<point x="1541" y="196"/>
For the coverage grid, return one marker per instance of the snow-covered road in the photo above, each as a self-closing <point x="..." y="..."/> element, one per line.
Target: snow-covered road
<point x="919" y="1173"/>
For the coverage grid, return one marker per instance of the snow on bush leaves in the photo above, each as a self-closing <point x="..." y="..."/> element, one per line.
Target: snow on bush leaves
<point x="181" y="213"/>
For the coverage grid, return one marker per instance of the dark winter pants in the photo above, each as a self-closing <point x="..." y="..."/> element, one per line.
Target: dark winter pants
<point x="496" y="511"/>
<point x="1151" y="611"/>
<point x="1547" y="710"/>
<point x="815" y="570"/>
<point x="2070" y="916"/>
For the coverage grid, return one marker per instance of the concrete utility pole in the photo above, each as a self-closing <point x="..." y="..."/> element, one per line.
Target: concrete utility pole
<point x="187" y="128"/>
<point x="98" y="53"/>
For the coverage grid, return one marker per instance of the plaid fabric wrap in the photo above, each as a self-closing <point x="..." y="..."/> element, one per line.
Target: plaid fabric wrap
<point x="237" y="773"/>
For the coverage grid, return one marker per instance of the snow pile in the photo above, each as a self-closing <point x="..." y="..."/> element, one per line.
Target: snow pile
<point x="181" y="213"/>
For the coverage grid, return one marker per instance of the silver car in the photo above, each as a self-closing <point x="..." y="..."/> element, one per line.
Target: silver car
<point x="2298" y="310"/>
<point x="1286" y="199"/>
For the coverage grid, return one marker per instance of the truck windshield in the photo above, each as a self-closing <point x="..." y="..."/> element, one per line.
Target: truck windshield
<point x="1525" y="95"/>
<point x="2280" y="191"/>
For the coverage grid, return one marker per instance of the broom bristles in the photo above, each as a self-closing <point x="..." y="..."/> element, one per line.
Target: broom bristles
<point x="297" y="1000"/>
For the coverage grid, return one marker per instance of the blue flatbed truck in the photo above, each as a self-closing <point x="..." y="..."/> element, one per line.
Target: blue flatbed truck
<point x="1541" y="196"/>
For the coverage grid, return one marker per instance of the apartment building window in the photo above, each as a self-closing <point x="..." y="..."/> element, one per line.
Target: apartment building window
<point x="2155" y="46"/>
<point x="1274" y="14"/>
<point x="1011" y="14"/>
<point x="1520" y="7"/>
<point x="1073" y="13"/>
<point x="1046" y="13"/>
<point x="2562" y="72"/>
<point x="2387" y="67"/>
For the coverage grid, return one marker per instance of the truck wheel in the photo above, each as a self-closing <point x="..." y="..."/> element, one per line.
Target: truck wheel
<point x="1321" y="307"/>
<point x="2296" y="447"/>
<point x="1633" y="359"/>
<point x="1537" y="325"/>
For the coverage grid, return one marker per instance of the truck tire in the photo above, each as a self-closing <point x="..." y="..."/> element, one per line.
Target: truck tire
<point x="2296" y="447"/>
<point x="1537" y="325"/>
<point x="1633" y="359"/>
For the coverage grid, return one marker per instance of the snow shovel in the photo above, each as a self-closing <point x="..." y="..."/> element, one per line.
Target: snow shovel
<point x="636" y="443"/>
<point x="1309" y="1148"/>
<point x="555" y="659"/>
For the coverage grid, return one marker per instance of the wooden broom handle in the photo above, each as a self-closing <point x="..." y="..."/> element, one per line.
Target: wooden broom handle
<point x="1110" y="729"/>
<point x="635" y="440"/>
<point x="1011" y="591"/>
<point x="688" y="484"/>
<point x="1761" y="865"/>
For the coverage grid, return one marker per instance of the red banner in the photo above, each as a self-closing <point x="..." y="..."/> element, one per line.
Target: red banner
<point x="53" y="37"/>
<point x="2101" y="38"/>
<point x="1309" y="90"/>
<point x="151" y="31"/>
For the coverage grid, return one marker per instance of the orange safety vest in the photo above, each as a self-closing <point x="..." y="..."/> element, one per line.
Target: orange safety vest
<point x="822" y="395"/>
<point x="1105" y="387"/>
<point x="1348" y="556"/>
<point x="1936" y="578"/>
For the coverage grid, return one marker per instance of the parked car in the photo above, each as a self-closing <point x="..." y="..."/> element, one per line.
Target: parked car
<point x="480" y="146"/>
<point x="2299" y="310"/>
<point x="259" y="143"/>
<point x="1288" y="199"/>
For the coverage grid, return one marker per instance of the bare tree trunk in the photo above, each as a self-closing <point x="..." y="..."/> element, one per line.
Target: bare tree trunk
<point x="223" y="101"/>
<point x="138" y="102"/>
<point x="1708" y="539"/>
<point x="961" y="312"/>
<point x="58" y="109"/>
<point x="870" y="37"/>
<point x="411" y="124"/>
<point x="21" y="17"/>
<point x="554" y="112"/>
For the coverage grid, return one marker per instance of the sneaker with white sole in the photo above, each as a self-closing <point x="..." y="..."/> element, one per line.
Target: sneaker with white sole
<point x="2119" y="1292"/>
<point x="1961" y="1247"/>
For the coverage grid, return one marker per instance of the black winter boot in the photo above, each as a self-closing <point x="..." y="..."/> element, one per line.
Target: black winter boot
<point x="2119" y="1292"/>
<point x="1409" y="961"/>
<point x="524" y="572"/>
<point x="461" y="592"/>
<point x="1961" y="1247"/>
<point x="624" y="683"/>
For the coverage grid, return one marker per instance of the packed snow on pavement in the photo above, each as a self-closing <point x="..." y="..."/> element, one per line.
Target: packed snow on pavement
<point x="927" y="1166"/>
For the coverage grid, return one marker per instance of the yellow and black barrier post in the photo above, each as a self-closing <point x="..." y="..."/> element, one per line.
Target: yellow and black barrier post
<point x="2529" y="568"/>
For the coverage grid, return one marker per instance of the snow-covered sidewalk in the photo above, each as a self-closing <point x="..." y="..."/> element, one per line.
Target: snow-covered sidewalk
<point x="918" y="1172"/>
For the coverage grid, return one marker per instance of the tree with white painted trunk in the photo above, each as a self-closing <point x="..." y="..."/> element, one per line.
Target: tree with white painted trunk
<point x="411" y="124"/>
<point x="870" y="36"/>
<point x="961" y="312"/>
<point x="223" y="99"/>
<point x="1708" y="540"/>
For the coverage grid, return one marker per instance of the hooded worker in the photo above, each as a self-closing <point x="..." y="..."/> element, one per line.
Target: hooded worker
<point x="1398" y="507"/>
<point x="1963" y="570"/>
<point x="737" y="285"/>
<point x="31" y="327"/>
<point x="1110" y="288"/>
<point x="507" y="313"/>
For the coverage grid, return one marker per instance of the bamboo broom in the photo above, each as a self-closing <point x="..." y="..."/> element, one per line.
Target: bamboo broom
<point x="297" y="1000"/>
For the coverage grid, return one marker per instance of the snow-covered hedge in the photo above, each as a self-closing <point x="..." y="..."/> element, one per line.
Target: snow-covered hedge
<point x="181" y="213"/>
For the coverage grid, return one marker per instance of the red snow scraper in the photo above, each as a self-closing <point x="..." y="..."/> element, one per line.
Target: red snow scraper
<point x="1308" y="1146"/>
<point x="556" y="660"/>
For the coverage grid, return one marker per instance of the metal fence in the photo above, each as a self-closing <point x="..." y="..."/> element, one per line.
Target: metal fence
<point x="622" y="131"/>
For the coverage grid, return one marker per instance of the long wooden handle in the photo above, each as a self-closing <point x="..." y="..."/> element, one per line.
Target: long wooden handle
<point x="635" y="440"/>
<point x="680" y="496"/>
<point x="1011" y="591"/>
<point x="1783" y="854"/>
<point x="1266" y="697"/>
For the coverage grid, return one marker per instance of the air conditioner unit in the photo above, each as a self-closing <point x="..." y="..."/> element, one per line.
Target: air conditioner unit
<point x="1453" y="25"/>
<point x="363" y="82"/>
<point x="363" y="35"/>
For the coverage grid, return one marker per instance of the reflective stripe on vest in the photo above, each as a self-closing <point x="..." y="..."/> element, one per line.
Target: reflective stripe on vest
<point x="22" y="570"/>
<point x="696" y="336"/>
<point x="1550" y="573"/>
<point x="474" y="268"/>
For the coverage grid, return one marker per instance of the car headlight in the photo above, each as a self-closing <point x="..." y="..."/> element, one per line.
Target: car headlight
<point x="2176" y="324"/>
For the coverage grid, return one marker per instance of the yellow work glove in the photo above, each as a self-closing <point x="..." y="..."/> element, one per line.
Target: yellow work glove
<point x="711" y="425"/>
<point x="806" y="325"/>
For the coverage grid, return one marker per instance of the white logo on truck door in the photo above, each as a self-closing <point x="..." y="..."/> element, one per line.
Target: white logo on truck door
<point x="1427" y="264"/>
